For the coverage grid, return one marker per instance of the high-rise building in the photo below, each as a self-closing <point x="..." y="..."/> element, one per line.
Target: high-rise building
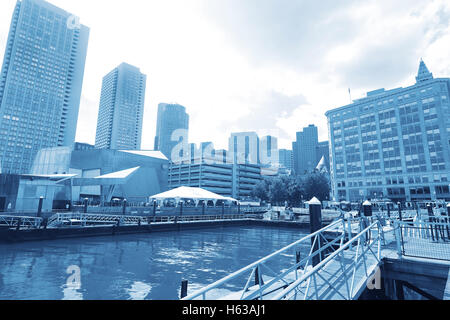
<point x="305" y="150"/>
<point x="323" y="150"/>
<point x="172" y="120"/>
<point x="243" y="147"/>
<point x="393" y="143"/>
<point x="119" y="124"/>
<point x="286" y="159"/>
<point x="40" y="82"/>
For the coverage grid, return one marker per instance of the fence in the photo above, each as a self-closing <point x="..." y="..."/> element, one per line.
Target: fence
<point x="428" y="237"/>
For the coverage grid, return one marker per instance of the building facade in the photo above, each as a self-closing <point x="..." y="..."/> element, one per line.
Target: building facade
<point x="103" y="174"/>
<point x="40" y="82"/>
<point x="308" y="151"/>
<point x="121" y="112"/>
<point x="171" y="117"/>
<point x="286" y="159"/>
<point x="222" y="177"/>
<point x="393" y="143"/>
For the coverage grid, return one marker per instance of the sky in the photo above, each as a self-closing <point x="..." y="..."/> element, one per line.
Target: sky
<point x="270" y="66"/>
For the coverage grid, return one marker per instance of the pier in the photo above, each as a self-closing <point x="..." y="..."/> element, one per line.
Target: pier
<point x="349" y="258"/>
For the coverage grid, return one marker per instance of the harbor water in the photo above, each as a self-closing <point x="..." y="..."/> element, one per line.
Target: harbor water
<point x="138" y="266"/>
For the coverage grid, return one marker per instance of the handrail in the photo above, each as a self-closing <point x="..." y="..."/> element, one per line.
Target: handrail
<point x="202" y="292"/>
<point x="313" y="271"/>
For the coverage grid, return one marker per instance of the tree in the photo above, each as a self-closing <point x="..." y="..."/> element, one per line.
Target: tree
<point x="261" y="190"/>
<point x="277" y="192"/>
<point x="317" y="185"/>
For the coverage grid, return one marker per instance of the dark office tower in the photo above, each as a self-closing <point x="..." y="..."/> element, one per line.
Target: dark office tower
<point x="40" y="82"/>
<point x="173" y="122"/>
<point x="119" y="124"/>
<point x="305" y="150"/>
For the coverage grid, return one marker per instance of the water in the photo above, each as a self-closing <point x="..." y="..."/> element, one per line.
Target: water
<point x="138" y="266"/>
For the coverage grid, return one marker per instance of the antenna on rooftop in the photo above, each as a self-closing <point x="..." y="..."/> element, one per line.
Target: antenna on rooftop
<point x="350" y="94"/>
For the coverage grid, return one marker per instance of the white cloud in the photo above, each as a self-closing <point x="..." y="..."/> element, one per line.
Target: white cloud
<point x="230" y="62"/>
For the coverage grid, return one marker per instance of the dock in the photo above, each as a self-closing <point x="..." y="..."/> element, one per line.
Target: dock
<point x="349" y="259"/>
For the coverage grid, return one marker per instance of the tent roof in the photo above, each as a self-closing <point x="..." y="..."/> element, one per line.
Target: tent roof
<point x="190" y="193"/>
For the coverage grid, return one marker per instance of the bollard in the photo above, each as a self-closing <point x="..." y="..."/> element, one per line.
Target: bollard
<point x="315" y="223"/>
<point x="184" y="288"/>
<point x="124" y="207"/>
<point x="399" y="204"/>
<point x="86" y="200"/>
<point x="41" y="202"/>
<point x="367" y="208"/>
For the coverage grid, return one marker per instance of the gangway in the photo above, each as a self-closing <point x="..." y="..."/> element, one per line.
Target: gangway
<point x="21" y="222"/>
<point x="344" y="269"/>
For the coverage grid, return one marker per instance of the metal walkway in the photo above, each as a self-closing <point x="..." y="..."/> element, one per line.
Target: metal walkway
<point x="351" y="253"/>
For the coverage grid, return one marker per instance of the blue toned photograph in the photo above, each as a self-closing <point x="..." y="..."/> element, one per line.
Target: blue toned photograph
<point x="234" y="151"/>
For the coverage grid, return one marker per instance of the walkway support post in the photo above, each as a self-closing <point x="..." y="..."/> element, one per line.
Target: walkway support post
<point x="388" y="205"/>
<point x="41" y="202"/>
<point x="124" y="207"/>
<point x="399" y="204"/>
<point x="154" y="210"/>
<point x="315" y="223"/>
<point x="86" y="200"/>
<point x="223" y="209"/>
<point x="184" y="288"/>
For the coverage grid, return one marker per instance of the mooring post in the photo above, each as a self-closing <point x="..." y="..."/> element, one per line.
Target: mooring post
<point x="86" y="201"/>
<point x="315" y="223"/>
<point x="399" y="204"/>
<point x="184" y="288"/>
<point x="41" y="202"/>
<point x="124" y="207"/>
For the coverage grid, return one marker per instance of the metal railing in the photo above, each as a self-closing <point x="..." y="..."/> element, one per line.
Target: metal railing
<point x="276" y="280"/>
<point x="428" y="237"/>
<point x="325" y="278"/>
<point x="86" y="219"/>
<point x="21" y="222"/>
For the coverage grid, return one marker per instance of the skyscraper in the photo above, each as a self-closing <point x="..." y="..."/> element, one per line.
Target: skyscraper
<point x="119" y="124"/>
<point x="393" y="143"/>
<point x="286" y="159"/>
<point x="40" y="82"/>
<point x="171" y="117"/>
<point x="305" y="150"/>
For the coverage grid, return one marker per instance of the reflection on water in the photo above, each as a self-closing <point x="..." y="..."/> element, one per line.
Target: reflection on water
<point x="139" y="266"/>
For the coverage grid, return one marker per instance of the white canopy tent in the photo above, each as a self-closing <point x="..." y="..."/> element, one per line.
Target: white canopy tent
<point x="191" y="193"/>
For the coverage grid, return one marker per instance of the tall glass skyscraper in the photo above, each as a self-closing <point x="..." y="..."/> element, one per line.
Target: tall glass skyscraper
<point x="171" y="117"/>
<point x="393" y="143"/>
<point x="121" y="112"/>
<point x="40" y="82"/>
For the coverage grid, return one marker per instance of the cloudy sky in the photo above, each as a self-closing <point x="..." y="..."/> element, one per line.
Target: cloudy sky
<point x="271" y="66"/>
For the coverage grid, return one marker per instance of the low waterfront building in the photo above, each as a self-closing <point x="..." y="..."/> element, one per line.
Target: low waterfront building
<point x="217" y="175"/>
<point x="393" y="143"/>
<point x="103" y="174"/>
